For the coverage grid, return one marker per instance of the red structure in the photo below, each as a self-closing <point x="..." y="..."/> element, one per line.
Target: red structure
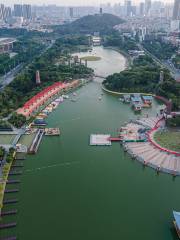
<point x="151" y="140"/>
<point x="39" y="99"/>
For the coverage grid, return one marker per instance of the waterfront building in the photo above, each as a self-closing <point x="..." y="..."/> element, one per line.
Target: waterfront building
<point x="96" y="41"/>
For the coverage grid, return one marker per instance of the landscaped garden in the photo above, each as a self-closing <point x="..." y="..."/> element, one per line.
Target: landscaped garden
<point x="168" y="139"/>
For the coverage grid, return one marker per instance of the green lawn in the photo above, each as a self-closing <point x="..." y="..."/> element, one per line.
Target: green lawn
<point x="169" y="140"/>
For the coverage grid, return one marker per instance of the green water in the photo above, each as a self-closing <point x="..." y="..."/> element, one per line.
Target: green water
<point x="73" y="191"/>
<point x="7" y="139"/>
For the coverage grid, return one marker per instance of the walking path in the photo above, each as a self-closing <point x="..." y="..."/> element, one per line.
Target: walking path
<point x="150" y="153"/>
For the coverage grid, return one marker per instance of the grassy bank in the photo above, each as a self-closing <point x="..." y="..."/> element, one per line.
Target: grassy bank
<point x="168" y="139"/>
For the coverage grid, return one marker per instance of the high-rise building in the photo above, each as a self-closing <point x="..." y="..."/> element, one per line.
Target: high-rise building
<point x="26" y="9"/>
<point x="71" y="12"/>
<point x="141" y="9"/>
<point x="2" y="11"/>
<point x="176" y="10"/>
<point x="7" y="13"/>
<point x="128" y="8"/>
<point x="18" y="11"/>
<point x="147" y="6"/>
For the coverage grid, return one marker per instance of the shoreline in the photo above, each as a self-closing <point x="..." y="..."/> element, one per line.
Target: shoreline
<point x="128" y="63"/>
<point x="121" y="93"/>
<point x="150" y="153"/>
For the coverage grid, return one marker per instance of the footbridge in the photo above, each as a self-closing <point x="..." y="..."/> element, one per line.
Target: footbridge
<point x="99" y="76"/>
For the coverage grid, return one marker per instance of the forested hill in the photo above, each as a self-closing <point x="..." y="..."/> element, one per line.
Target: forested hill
<point x="90" y="24"/>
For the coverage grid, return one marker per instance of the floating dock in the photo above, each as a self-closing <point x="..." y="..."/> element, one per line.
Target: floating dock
<point x="36" y="142"/>
<point x="11" y="190"/>
<point x="100" y="140"/>
<point x="13" y="181"/>
<point x="10" y="212"/>
<point x="8" y="225"/>
<point x="15" y="173"/>
<point x="17" y="166"/>
<point x="10" y="201"/>
<point x="9" y="238"/>
<point x="52" y="131"/>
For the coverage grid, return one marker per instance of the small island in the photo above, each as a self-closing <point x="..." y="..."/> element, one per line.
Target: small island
<point x="91" y="58"/>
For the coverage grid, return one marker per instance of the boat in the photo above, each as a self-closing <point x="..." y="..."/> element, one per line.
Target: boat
<point x="127" y="98"/>
<point x="147" y="100"/>
<point x="73" y="100"/>
<point x="65" y="96"/>
<point x="177" y="222"/>
<point x="100" y="98"/>
<point x="137" y="107"/>
<point x="74" y="94"/>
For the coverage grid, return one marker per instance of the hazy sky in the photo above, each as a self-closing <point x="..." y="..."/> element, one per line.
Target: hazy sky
<point x="71" y="2"/>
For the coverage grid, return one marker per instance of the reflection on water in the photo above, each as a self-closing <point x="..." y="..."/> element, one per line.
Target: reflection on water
<point x="111" y="61"/>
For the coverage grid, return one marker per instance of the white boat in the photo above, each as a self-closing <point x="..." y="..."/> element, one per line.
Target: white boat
<point x="65" y="96"/>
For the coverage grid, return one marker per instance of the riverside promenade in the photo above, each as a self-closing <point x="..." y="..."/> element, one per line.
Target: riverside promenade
<point x="150" y="153"/>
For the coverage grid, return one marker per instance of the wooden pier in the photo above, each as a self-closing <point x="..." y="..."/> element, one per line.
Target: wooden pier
<point x="52" y="131"/>
<point x="9" y="238"/>
<point x="8" y="225"/>
<point x="13" y="181"/>
<point x="10" y="201"/>
<point x="36" y="142"/>
<point x="11" y="190"/>
<point x="10" y="212"/>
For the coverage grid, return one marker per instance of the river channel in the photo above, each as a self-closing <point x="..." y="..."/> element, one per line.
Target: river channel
<point x="72" y="191"/>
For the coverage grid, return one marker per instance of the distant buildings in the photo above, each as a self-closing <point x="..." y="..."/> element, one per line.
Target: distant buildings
<point x="142" y="9"/>
<point x="6" y="45"/>
<point x="22" y="11"/>
<point x="71" y="12"/>
<point x="147" y="7"/>
<point x="18" y="11"/>
<point x="5" y="12"/>
<point x="175" y="23"/>
<point x="128" y="8"/>
<point x="176" y="10"/>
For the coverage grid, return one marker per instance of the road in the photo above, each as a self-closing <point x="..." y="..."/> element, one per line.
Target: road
<point x="175" y="73"/>
<point x="9" y="77"/>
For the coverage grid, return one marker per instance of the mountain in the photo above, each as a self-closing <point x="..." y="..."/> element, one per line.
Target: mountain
<point x="102" y="23"/>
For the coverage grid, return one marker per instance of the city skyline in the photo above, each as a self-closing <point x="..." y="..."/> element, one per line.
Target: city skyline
<point x="72" y="2"/>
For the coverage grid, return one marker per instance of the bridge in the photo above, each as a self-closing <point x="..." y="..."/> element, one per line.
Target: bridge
<point x="99" y="76"/>
<point x="16" y="139"/>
